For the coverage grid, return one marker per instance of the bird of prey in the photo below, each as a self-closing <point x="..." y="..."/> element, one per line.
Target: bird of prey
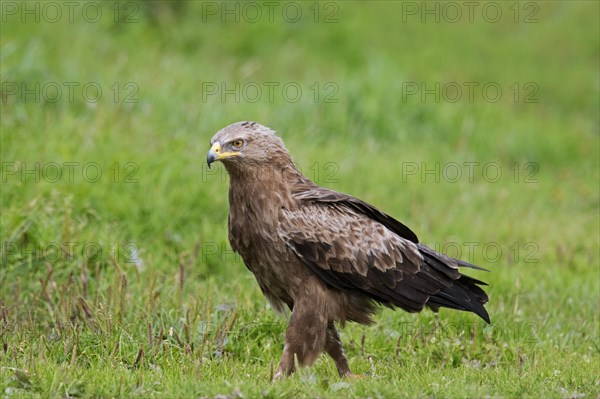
<point x="327" y="256"/>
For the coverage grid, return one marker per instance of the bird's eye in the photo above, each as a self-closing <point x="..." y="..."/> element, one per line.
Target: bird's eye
<point x="237" y="143"/>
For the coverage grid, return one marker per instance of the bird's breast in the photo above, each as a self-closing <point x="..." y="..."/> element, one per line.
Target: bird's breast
<point x="253" y="221"/>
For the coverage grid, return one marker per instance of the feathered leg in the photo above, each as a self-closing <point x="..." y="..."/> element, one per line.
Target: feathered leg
<point x="305" y="336"/>
<point x="333" y="347"/>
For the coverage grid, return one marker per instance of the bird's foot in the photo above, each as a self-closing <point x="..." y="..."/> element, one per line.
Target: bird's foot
<point x="279" y="375"/>
<point x="282" y="372"/>
<point x="354" y="377"/>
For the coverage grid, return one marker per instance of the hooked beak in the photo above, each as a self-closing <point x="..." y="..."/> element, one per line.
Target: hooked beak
<point x="213" y="153"/>
<point x="216" y="154"/>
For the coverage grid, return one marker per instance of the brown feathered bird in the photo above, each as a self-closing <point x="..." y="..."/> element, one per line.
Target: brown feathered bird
<point x="327" y="256"/>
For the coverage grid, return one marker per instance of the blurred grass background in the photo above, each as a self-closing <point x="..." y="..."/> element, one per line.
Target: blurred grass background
<point x="124" y="284"/>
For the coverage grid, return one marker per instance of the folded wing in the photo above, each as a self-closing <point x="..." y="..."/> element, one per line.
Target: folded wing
<point x="349" y="245"/>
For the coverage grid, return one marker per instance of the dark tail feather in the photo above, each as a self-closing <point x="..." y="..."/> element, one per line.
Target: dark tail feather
<point x="470" y="265"/>
<point x="463" y="295"/>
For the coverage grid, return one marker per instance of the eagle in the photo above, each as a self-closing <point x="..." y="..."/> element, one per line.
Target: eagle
<point x="326" y="256"/>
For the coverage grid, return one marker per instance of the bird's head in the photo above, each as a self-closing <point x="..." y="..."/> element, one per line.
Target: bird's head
<point x="247" y="145"/>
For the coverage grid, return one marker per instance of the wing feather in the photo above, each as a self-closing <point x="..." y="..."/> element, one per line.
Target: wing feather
<point x="352" y="250"/>
<point x="325" y="195"/>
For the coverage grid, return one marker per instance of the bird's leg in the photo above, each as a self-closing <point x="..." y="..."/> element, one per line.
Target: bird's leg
<point x="287" y="364"/>
<point x="333" y="347"/>
<point x="304" y="338"/>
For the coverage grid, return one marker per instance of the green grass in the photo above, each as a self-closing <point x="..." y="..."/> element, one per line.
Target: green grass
<point x="124" y="285"/>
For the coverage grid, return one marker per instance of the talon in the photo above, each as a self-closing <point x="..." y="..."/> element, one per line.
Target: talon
<point x="352" y="376"/>
<point x="278" y="376"/>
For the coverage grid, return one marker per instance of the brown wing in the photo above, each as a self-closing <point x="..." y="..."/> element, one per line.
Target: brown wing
<point x="324" y="195"/>
<point x="351" y="251"/>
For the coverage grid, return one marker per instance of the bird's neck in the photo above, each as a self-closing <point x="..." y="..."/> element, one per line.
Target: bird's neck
<point x="255" y="184"/>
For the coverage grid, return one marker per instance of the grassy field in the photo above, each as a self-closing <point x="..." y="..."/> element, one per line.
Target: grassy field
<point x="478" y="128"/>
